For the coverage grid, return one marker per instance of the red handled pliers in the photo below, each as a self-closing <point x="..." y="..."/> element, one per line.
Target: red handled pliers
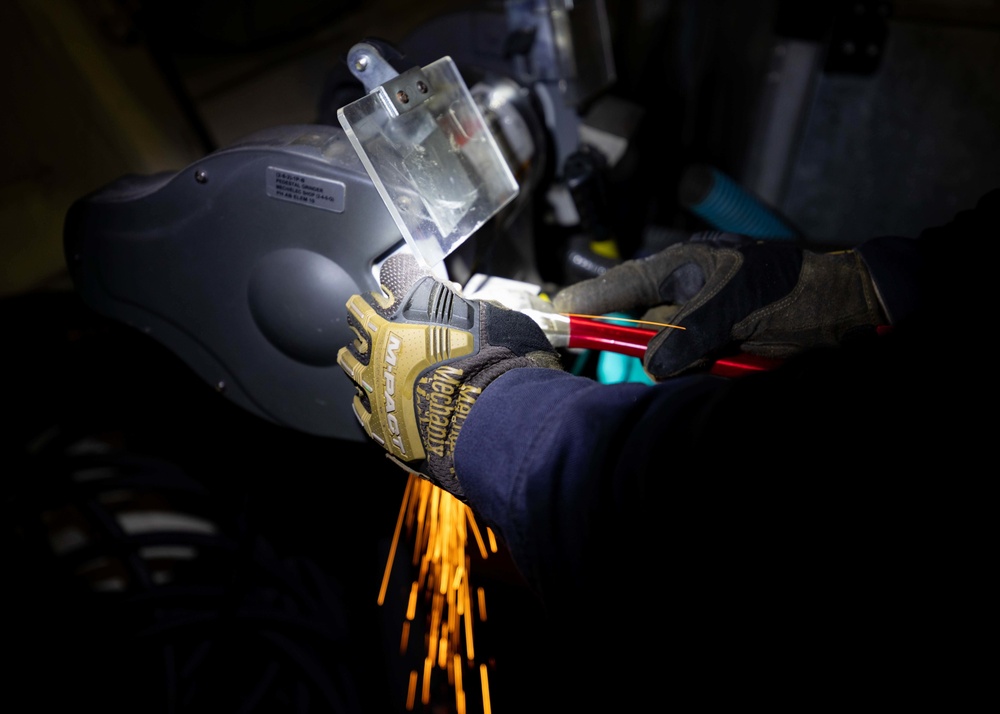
<point x="603" y="333"/>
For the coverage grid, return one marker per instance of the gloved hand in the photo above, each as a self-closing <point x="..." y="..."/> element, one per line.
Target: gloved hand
<point x="729" y="291"/>
<point x="420" y="359"/>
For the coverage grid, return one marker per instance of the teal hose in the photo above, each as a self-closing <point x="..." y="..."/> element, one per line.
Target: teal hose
<point x="724" y="204"/>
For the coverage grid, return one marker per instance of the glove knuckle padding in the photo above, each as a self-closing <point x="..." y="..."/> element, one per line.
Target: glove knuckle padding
<point x="832" y="297"/>
<point x="400" y="352"/>
<point x="430" y="354"/>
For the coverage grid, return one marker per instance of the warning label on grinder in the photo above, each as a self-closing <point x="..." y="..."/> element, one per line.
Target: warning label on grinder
<point x="305" y="190"/>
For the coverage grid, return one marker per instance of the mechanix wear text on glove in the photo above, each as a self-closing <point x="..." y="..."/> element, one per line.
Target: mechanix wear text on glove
<point x="421" y="356"/>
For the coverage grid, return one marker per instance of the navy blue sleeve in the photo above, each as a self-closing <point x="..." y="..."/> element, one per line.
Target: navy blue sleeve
<point x="932" y="264"/>
<point x="559" y="466"/>
<point x="570" y="471"/>
<point x="806" y="524"/>
<point x="893" y="263"/>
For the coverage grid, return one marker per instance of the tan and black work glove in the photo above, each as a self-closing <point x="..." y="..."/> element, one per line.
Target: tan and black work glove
<point x="421" y="357"/>
<point x="731" y="293"/>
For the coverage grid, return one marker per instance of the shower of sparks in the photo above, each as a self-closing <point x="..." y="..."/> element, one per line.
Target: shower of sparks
<point x="440" y="526"/>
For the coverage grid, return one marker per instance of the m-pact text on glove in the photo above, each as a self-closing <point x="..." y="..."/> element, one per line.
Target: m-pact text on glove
<point x="391" y="349"/>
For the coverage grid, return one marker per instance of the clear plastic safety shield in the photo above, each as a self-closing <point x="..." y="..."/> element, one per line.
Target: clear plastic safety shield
<point x="434" y="161"/>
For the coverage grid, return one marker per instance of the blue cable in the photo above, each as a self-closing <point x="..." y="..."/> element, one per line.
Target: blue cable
<point x="724" y="204"/>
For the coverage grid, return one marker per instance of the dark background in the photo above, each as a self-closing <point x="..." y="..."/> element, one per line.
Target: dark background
<point x="850" y="118"/>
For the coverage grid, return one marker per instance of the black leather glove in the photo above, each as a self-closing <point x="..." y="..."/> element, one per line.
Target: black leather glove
<point x="421" y="357"/>
<point x="731" y="292"/>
